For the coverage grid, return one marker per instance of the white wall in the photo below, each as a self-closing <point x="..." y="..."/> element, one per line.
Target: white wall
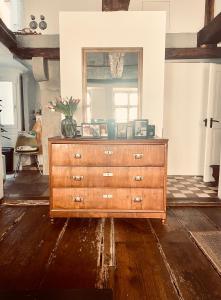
<point x="182" y="15"/>
<point x="186" y="94"/>
<point x="50" y="9"/>
<point x="116" y="29"/>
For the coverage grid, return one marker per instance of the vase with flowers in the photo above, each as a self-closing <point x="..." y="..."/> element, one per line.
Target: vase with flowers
<point x="67" y="106"/>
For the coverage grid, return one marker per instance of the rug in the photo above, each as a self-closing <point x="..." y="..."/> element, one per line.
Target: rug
<point x="210" y="243"/>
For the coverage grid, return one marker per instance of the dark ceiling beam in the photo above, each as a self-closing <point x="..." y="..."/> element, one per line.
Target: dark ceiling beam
<point x="114" y="5"/>
<point x="211" y="33"/>
<point x="209" y="11"/>
<point x="192" y="53"/>
<point x="7" y="37"/>
<point x="47" y="53"/>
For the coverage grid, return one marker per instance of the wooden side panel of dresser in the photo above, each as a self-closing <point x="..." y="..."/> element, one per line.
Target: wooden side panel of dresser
<point x="108" y="178"/>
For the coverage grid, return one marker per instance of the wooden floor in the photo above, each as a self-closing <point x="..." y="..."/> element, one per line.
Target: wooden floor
<point x="137" y="259"/>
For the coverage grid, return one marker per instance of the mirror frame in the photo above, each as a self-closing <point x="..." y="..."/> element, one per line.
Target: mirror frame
<point x="138" y="50"/>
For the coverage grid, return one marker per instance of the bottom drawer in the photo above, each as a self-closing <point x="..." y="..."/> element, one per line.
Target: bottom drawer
<point x="107" y="198"/>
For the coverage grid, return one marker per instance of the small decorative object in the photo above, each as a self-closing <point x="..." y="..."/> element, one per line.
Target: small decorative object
<point x="33" y="24"/>
<point x="66" y="106"/>
<point x="121" y="130"/>
<point x="150" y="131"/>
<point x="130" y="130"/>
<point x="103" y="130"/>
<point x="91" y="130"/>
<point x="42" y="23"/>
<point x="111" y="128"/>
<point x="140" y="128"/>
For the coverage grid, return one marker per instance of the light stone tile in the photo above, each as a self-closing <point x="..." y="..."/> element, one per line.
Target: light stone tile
<point x="179" y="195"/>
<point x="194" y="189"/>
<point x="202" y="195"/>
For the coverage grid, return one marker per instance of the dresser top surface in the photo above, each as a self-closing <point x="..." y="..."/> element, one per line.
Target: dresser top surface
<point x="61" y="140"/>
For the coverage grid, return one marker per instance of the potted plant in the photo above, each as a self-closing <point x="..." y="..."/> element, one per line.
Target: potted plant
<point x="66" y="106"/>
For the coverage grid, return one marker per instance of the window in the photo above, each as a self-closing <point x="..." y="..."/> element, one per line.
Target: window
<point x="125" y="104"/>
<point x="7" y="116"/>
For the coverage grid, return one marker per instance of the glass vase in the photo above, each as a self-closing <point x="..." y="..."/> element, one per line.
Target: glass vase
<point x="69" y="127"/>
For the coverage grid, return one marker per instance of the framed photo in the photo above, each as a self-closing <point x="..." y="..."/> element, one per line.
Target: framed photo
<point x="103" y="130"/>
<point x="140" y="128"/>
<point x="121" y="130"/>
<point x="90" y="130"/>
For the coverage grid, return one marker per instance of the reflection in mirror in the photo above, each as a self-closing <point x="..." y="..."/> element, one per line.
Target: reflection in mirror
<point x="112" y="84"/>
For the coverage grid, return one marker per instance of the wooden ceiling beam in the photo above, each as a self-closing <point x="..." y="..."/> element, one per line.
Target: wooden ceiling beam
<point x="47" y="53"/>
<point x="211" y="33"/>
<point x="209" y="11"/>
<point x="192" y="53"/>
<point x="7" y="37"/>
<point x="114" y="5"/>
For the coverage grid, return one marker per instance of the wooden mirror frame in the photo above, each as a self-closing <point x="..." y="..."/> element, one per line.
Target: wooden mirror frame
<point x="85" y="51"/>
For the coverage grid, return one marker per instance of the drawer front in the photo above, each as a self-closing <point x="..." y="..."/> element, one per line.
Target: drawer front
<point x="107" y="155"/>
<point x="137" y="177"/>
<point x="117" y="199"/>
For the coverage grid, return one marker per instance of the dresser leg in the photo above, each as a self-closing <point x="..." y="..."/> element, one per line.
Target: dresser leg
<point x="163" y="221"/>
<point x="52" y="220"/>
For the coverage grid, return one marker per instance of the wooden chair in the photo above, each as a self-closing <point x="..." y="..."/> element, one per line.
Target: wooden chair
<point x="26" y="145"/>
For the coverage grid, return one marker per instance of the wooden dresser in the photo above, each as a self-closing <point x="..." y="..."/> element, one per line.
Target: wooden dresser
<point x="108" y="178"/>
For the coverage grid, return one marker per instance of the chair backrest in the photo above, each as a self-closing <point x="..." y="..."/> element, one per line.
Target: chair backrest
<point x="26" y="142"/>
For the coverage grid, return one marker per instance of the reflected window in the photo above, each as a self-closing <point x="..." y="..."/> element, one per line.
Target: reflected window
<point x="125" y="104"/>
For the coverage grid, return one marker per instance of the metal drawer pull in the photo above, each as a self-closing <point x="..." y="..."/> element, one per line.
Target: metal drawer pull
<point x="108" y="174"/>
<point x="108" y="152"/>
<point x="78" y="199"/>
<point x="107" y="196"/>
<point x="138" y="155"/>
<point x="78" y="178"/>
<point x="77" y="155"/>
<point x="137" y="199"/>
<point x="138" y="178"/>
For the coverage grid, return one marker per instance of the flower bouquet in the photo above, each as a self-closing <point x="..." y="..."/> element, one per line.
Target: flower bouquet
<point x="67" y="107"/>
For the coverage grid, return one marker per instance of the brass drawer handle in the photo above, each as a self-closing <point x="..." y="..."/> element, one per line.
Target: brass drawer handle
<point x="77" y="155"/>
<point x="138" y="178"/>
<point x="108" y="174"/>
<point x="138" y="155"/>
<point x="137" y="199"/>
<point x="107" y="196"/>
<point x="78" y="199"/>
<point x="108" y="152"/>
<point x="77" y="178"/>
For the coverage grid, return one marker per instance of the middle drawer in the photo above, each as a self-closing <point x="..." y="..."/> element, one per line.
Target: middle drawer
<point x="151" y="177"/>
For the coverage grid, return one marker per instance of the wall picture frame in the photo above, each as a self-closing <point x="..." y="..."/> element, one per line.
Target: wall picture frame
<point x="140" y="128"/>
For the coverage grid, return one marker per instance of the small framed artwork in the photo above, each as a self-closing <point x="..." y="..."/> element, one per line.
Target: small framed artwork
<point x="90" y="130"/>
<point x="121" y="130"/>
<point x="103" y="130"/>
<point x="140" y="128"/>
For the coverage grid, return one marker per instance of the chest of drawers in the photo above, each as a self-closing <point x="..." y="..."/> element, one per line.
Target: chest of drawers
<point x="108" y="178"/>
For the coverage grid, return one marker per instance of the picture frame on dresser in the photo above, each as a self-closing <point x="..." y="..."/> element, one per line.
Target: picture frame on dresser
<point x="90" y="130"/>
<point x="140" y="128"/>
<point x="121" y="130"/>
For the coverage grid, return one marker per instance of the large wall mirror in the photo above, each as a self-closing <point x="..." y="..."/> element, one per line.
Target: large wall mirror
<point x="112" y="83"/>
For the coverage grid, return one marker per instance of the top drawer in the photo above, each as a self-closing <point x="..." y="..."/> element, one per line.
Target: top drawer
<point x="107" y="155"/>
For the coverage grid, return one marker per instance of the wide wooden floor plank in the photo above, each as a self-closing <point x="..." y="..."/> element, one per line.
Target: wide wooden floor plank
<point x="194" y="274"/>
<point x="74" y="263"/>
<point x="193" y="219"/>
<point x="25" y="251"/>
<point x="9" y="218"/>
<point x="140" y="270"/>
<point x="214" y="215"/>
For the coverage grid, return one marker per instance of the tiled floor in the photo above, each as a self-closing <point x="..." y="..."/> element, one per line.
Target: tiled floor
<point x="189" y="187"/>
